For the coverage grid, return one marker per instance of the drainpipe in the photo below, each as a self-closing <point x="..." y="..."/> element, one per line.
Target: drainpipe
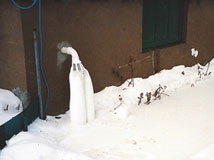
<point x="38" y="74"/>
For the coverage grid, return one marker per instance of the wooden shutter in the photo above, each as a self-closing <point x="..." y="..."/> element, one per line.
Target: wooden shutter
<point x="162" y="22"/>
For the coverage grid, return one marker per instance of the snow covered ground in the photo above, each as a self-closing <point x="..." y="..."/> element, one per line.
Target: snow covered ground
<point x="179" y="126"/>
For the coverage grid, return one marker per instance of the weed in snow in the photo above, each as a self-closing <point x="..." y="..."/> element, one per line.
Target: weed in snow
<point x="140" y="98"/>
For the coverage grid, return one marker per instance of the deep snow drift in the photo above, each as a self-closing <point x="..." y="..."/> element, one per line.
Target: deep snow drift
<point x="179" y="126"/>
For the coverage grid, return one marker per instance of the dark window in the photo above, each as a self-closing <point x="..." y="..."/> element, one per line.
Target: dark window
<point x="162" y="22"/>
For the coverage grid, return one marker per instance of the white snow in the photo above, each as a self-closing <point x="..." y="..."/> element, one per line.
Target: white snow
<point x="10" y="105"/>
<point x="205" y="154"/>
<point x="176" y="127"/>
<point x="194" y="52"/>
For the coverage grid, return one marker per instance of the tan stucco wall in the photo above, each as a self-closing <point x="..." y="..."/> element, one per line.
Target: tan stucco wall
<point x="199" y="35"/>
<point x="105" y="33"/>
<point x="12" y="63"/>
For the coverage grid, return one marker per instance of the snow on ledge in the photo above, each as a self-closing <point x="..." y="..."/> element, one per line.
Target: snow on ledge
<point x="10" y="105"/>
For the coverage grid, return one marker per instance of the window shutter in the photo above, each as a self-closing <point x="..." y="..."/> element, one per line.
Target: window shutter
<point x="176" y="20"/>
<point x="162" y="22"/>
<point x="148" y="21"/>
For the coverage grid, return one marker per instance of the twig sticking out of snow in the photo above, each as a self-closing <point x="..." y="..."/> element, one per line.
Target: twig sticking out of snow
<point x="157" y="95"/>
<point x="206" y="73"/>
<point x="140" y="98"/>
<point x="200" y="70"/>
<point x="159" y="91"/>
<point x="183" y="73"/>
<point x="194" y="53"/>
<point x="6" y="108"/>
<point x="8" y="101"/>
<point x="121" y="101"/>
<point x="149" y="96"/>
<point x="131" y="82"/>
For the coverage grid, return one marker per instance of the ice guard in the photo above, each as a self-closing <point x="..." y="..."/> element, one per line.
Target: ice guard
<point x="81" y="90"/>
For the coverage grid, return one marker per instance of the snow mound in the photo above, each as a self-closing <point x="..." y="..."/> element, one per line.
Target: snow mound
<point x="118" y="98"/>
<point x="37" y="148"/>
<point x="205" y="154"/>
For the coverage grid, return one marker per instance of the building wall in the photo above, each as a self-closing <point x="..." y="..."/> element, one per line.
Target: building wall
<point x="106" y="33"/>
<point x="12" y="64"/>
<point x="199" y="35"/>
<point x="29" y="21"/>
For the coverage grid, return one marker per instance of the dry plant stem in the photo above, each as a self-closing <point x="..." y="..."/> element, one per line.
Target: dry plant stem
<point x="137" y="61"/>
<point x="117" y="73"/>
<point x="18" y="107"/>
<point x="199" y="71"/>
<point x="148" y="95"/>
<point x="6" y="108"/>
<point x="206" y="73"/>
<point x="140" y="98"/>
<point x="130" y="65"/>
<point x="159" y="91"/>
<point x="165" y="94"/>
<point x="121" y="101"/>
<point x="131" y="82"/>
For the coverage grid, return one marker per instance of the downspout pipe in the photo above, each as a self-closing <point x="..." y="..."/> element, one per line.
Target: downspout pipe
<point x="38" y="75"/>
